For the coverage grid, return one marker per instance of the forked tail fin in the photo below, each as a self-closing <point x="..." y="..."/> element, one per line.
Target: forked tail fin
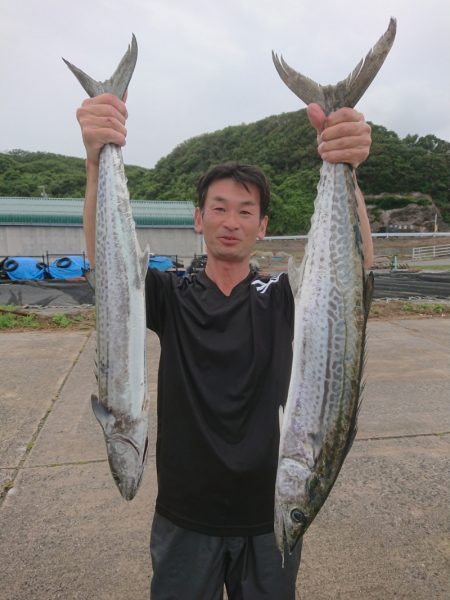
<point x="118" y="83"/>
<point x="346" y="92"/>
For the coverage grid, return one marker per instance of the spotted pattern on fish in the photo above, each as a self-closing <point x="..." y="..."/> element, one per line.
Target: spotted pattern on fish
<point x="121" y="363"/>
<point x="332" y="297"/>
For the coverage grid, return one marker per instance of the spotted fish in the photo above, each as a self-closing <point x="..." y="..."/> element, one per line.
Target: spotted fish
<point x="122" y="403"/>
<point x="332" y="298"/>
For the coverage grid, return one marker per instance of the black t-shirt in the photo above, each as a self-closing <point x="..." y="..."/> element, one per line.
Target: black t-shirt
<point x="224" y="371"/>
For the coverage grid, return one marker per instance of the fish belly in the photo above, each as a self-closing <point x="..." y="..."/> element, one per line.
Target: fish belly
<point x="120" y="300"/>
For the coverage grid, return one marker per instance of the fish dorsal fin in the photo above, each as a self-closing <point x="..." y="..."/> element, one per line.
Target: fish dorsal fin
<point x="119" y="81"/>
<point x="96" y="366"/>
<point x="369" y="283"/>
<point x="367" y="301"/>
<point x="346" y="92"/>
<point x="293" y="275"/>
<point x="280" y="416"/>
<point x="90" y="278"/>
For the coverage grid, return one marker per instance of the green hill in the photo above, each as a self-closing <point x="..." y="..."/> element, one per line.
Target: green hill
<point x="283" y="145"/>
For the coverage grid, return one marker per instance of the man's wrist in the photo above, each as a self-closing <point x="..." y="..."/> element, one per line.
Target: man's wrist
<point x="91" y="165"/>
<point x="92" y="170"/>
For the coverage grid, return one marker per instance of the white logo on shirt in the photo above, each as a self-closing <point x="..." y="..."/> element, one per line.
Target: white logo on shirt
<point x="263" y="286"/>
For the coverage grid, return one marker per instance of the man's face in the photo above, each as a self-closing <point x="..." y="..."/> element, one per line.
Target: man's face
<point x="230" y="221"/>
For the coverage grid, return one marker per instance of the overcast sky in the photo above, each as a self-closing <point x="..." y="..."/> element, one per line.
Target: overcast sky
<point x="206" y="64"/>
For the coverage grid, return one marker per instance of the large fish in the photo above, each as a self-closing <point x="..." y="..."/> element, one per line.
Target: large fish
<point x="120" y="270"/>
<point x="332" y="299"/>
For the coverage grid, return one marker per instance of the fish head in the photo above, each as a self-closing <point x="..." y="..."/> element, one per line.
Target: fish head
<point x="127" y="461"/>
<point x="126" y="446"/>
<point x="293" y="512"/>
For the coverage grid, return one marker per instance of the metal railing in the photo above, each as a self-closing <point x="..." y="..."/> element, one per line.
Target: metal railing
<point x="431" y="252"/>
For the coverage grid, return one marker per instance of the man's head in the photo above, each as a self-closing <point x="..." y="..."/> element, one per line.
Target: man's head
<point x="231" y="212"/>
<point x="240" y="173"/>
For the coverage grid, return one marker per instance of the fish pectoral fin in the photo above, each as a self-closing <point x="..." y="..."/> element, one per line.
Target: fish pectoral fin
<point x="103" y="415"/>
<point x="144" y="262"/>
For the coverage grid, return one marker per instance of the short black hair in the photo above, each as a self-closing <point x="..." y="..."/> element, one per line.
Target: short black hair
<point x="242" y="173"/>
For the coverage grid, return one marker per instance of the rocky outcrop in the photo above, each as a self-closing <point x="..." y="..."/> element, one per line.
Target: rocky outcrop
<point x="413" y="212"/>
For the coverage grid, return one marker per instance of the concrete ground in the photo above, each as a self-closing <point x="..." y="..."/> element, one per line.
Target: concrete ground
<point x="65" y="532"/>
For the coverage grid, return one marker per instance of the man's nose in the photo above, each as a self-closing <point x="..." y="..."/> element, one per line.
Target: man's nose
<point x="231" y="221"/>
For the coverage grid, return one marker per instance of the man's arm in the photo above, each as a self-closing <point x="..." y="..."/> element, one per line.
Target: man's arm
<point x="102" y="121"/>
<point x="344" y="136"/>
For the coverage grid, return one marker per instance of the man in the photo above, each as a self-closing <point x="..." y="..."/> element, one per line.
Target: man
<point x="226" y="352"/>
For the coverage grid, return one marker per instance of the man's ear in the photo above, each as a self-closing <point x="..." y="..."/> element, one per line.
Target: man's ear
<point x="263" y="227"/>
<point x="198" y="225"/>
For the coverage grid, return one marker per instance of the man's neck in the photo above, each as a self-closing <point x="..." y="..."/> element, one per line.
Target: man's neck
<point x="226" y="275"/>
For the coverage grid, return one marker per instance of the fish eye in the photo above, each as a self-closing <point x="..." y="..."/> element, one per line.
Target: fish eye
<point x="298" y="516"/>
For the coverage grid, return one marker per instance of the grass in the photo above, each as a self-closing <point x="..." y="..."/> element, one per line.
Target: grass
<point x="60" y="320"/>
<point x="10" y="321"/>
<point x="438" y="309"/>
<point x="403" y="309"/>
<point x="434" y="267"/>
<point x="14" y="318"/>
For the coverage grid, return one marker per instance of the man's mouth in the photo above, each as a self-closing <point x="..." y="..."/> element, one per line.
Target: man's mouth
<point x="228" y="239"/>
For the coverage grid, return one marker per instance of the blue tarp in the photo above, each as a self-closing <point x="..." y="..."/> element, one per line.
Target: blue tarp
<point x="161" y="263"/>
<point x="24" y="267"/>
<point x="68" y="267"/>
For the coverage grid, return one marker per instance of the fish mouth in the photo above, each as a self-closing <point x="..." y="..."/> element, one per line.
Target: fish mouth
<point x="285" y="546"/>
<point x="287" y="540"/>
<point x="129" y="487"/>
<point x="292" y="545"/>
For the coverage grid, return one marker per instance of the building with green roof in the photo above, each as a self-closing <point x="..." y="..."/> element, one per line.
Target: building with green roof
<point x="36" y="226"/>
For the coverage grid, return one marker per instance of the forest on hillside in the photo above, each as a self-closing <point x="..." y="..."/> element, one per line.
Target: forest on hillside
<point x="283" y="145"/>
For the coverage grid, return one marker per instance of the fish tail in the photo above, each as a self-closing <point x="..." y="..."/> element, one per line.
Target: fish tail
<point x="119" y="81"/>
<point x="346" y="92"/>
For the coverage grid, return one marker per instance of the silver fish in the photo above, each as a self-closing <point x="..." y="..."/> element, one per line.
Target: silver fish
<point x="332" y="299"/>
<point x="120" y="270"/>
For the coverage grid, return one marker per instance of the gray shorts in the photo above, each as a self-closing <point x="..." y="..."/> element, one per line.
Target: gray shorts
<point x="194" y="566"/>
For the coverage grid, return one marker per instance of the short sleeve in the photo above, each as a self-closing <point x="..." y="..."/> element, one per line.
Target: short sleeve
<point x="157" y="294"/>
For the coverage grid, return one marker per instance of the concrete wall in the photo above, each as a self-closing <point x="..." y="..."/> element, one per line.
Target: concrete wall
<point x="181" y="241"/>
<point x="30" y="240"/>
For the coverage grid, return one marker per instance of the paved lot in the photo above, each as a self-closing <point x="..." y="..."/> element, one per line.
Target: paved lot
<point x="66" y="533"/>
